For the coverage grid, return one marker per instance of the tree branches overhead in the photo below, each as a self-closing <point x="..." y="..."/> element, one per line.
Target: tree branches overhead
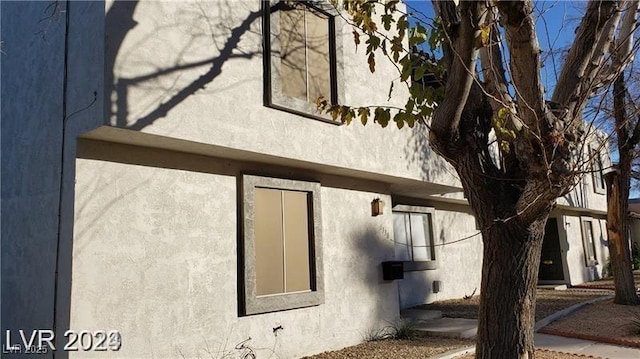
<point x="491" y="98"/>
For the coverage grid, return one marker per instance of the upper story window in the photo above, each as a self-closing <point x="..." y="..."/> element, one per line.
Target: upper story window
<point x="597" y="172"/>
<point x="414" y="236"/>
<point x="300" y="55"/>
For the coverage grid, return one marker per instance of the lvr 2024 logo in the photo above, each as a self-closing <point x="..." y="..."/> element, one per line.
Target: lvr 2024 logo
<point x="42" y="341"/>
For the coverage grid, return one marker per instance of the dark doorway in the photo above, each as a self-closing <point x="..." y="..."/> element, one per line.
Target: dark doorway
<point x="551" y="258"/>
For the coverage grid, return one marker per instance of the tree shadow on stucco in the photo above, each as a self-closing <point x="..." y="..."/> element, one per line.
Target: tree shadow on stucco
<point x="418" y="151"/>
<point x="366" y="250"/>
<point x="224" y="35"/>
<point x="120" y="22"/>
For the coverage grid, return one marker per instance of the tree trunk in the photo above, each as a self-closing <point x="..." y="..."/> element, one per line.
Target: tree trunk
<point x="507" y="312"/>
<point x="618" y="183"/>
<point x="617" y="232"/>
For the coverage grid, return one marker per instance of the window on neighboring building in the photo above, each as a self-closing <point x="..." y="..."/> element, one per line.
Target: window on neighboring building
<point x="597" y="172"/>
<point x="589" y="243"/>
<point x="301" y="55"/>
<point x="414" y="234"/>
<point x="282" y="244"/>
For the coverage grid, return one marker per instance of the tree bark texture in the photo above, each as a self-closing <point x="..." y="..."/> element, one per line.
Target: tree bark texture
<point x="507" y="312"/>
<point x="617" y="233"/>
<point x="512" y="199"/>
<point x="618" y="184"/>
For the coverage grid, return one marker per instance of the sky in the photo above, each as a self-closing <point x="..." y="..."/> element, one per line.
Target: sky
<point x="556" y="23"/>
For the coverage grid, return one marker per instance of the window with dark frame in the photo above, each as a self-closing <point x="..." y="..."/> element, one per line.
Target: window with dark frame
<point x="589" y="243"/>
<point x="300" y="58"/>
<point x="281" y="245"/>
<point x="597" y="172"/>
<point x="413" y="233"/>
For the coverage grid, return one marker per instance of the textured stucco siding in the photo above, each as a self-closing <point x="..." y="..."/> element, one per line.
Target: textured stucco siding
<point x="155" y="256"/>
<point x="38" y="64"/>
<point x="32" y="82"/>
<point x="573" y="245"/>
<point x="155" y="92"/>
<point x="459" y="264"/>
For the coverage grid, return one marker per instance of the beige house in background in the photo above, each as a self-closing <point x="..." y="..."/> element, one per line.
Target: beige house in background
<point x="634" y="216"/>
<point x="170" y="179"/>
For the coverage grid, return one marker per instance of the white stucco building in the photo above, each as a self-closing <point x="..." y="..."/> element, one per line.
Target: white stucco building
<point x="165" y="175"/>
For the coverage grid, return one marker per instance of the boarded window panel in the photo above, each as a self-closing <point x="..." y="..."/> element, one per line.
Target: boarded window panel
<point x="268" y="241"/>
<point x="318" y="66"/>
<point x="293" y="68"/>
<point x="401" y="235"/>
<point x="296" y="242"/>
<point x="420" y="237"/>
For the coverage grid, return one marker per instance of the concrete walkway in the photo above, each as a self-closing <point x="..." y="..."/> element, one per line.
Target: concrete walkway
<point x="585" y="347"/>
<point x="565" y="345"/>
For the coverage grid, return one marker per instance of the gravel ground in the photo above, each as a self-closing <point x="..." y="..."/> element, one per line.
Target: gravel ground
<point x="547" y="303"/>
<point x="420" y="346"/>
<point x="545" y="354"/>
<point x="603" y="319"/>
<point x="608" y="282"/>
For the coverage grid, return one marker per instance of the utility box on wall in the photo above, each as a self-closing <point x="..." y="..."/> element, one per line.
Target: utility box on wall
<point x="437" y="286"/>
<point x="392" y="270"/>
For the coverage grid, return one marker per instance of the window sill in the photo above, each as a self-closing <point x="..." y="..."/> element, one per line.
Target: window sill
<point x="305" y="113"/>
<point x="415" y="266"/>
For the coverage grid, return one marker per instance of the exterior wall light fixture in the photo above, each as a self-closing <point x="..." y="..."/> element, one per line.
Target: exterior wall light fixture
<point x="377" y="207"/>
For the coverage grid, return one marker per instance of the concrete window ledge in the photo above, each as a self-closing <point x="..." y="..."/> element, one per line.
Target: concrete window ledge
<point x="414" y="266"/>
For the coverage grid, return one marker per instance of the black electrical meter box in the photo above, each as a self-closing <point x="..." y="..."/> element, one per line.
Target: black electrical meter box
<point x="392" y="270"/>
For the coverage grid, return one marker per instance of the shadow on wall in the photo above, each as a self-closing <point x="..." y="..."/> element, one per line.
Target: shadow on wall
<point x="163" y="81"/>
<point x="417" y="151"/>
<point x="578" y="195"/>
<point x="377" y="299"/>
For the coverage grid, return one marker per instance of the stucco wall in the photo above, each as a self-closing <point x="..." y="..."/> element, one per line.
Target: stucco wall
<point x="459" y="264"/>
<point x="194" y="71"/>
<point x="32" y="82"/>
<point x="155" y="257"/>
<point x="38" y="65"/>
<point x="573" y="244"/>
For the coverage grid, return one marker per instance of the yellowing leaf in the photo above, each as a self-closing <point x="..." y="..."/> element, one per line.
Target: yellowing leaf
<point x="363" y="112"/>
<point x="484" y="34"/>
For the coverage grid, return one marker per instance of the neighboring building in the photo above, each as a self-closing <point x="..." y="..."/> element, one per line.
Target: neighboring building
<point x="634" y="220"/>
<point x="165" y="175"/>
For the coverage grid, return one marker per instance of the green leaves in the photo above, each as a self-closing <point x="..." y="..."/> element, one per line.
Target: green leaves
<point x="388" y="33"/>
<point x="387" y="19"/>
<point x="382" y="116"/>
<point x="418" y="35"/>
<point x="500" y="122"/>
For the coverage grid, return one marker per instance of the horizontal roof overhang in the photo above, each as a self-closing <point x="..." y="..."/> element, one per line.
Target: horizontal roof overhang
<point x="396" y="185"/>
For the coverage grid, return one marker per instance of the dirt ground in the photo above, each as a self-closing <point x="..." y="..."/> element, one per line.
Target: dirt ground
<point x="418" y="347"/>
<point x="544" y="354"/>
<point x="604" y="320"/>
<point x="421" y="346"/>
<point x="547" y="303"/>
